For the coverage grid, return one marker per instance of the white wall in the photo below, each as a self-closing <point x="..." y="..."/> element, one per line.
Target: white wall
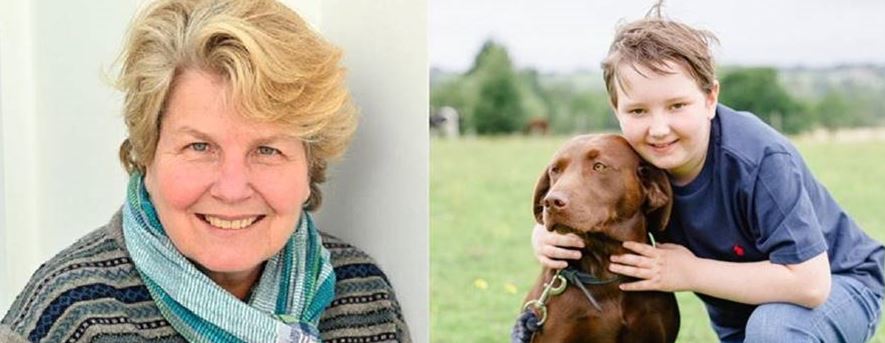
<point x="378" y="196"/>
<point x="383" y="183"/>
<point x="16" y="97"/>
<point x="61" y="128"/>
<point x="2" y="189"/>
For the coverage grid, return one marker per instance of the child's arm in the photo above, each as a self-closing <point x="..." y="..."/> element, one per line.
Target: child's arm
<point x="671" y="267"/>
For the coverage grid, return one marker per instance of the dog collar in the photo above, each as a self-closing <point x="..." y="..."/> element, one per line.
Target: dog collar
<point x="560" y="281"/>
<point x="579" y="278"/>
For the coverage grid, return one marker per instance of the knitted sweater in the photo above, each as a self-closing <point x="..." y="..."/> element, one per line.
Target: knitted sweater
<point x="91" y="292"/>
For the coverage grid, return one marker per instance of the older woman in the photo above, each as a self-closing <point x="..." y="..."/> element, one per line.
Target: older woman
<point x="233" y="109"/>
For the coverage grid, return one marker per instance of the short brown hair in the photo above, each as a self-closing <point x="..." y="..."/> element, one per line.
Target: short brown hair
<point x="653" y="41"/>
<point x="279" y="71"/>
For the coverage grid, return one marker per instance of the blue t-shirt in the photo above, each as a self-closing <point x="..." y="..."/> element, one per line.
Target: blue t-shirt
<point x="756" y="200"/>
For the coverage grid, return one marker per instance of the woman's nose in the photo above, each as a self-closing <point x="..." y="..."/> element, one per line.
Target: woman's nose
<point x="232" y="183"/>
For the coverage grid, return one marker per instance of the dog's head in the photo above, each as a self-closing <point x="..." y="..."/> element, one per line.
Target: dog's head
<point x="598" y="180"/>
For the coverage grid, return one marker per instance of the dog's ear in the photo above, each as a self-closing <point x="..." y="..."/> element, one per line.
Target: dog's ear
<point x="541" y="189"/>
<point x="658" y="196"/>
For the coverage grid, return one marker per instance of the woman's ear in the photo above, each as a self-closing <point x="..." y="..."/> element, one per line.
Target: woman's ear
<point x="149" y="179"/>
<point x="541" y="189"/>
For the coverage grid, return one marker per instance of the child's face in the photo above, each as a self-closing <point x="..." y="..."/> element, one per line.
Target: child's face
<point x="666" y="118"/>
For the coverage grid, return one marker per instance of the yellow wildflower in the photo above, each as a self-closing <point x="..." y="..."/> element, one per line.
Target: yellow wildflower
<point x="510" y="288"/>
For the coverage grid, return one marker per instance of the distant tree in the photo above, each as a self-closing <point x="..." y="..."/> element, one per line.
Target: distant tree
<point x="535" y="102"/>
<point x="758" y="90"/>
<point x="594" y="105"/>
<point x="490" y="55"/>
<point x="498" y="108"/>
<point x="834" y="111"/>
<point x="574" y="109"/>
<point x="558" y="95"/>
<point x="839" y="109"/>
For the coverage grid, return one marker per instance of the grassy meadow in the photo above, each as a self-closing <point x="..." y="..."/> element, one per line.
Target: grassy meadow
<point x="481" y="258"/>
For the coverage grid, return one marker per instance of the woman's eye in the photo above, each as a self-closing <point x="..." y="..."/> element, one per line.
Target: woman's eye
<point x="199" y="146"/>
<point x="267" y="151"/>
<point x="598" y="166"/>
<point x="677" y="106"/>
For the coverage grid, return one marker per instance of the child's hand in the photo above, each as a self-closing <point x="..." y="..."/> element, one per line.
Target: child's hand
<point x="552" y="247"/>
<point x="661" y="268"/>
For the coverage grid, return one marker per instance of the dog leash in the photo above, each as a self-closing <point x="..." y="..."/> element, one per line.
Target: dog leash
<point x="535" y="311"/>
<point x="528" y="322"/>
<point x="550" y="289"/>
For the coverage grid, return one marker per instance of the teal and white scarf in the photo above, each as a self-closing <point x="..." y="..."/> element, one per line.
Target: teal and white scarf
<point x="296" y="286"/>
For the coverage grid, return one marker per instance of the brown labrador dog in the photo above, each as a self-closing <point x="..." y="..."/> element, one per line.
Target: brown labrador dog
<point x="599" y="188"/>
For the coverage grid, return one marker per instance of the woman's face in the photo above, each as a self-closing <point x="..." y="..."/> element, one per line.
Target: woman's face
<point x="227" y="190"/>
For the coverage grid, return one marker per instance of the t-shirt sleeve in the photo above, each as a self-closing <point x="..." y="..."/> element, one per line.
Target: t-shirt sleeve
<point x="787" y="228"/>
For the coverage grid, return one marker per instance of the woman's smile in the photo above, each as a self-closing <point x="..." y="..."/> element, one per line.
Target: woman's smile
<point x="230" y="222"/>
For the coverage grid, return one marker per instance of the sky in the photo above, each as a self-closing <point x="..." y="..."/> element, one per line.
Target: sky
<point x="569" y="35"/>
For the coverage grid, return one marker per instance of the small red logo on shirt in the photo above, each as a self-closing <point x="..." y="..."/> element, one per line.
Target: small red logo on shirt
<point x="738" y="250"/>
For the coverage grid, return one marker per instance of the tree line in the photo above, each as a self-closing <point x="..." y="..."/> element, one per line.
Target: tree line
<point x="493" y="97"/>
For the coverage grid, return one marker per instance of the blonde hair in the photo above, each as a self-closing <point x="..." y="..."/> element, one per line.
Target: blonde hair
<point x="279" y="71"/>
<point x="652" y="42"/>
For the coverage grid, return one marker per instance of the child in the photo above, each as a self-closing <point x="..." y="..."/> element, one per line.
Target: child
<point x="753" y="233"/>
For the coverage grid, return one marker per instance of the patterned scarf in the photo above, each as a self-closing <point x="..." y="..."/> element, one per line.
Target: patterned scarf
<point x="285" y="306"/>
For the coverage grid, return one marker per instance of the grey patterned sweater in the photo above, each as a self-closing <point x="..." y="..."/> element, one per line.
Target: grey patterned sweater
<point x="91" y="292"/>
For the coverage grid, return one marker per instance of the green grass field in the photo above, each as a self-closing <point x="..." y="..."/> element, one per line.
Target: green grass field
<point x="481" y="258"/>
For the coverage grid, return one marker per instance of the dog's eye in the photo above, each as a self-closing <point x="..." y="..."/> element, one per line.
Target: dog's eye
<point x="598" y="166"/>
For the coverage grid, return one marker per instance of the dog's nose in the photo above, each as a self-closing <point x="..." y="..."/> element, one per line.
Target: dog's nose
<point x="555" y="200"/>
